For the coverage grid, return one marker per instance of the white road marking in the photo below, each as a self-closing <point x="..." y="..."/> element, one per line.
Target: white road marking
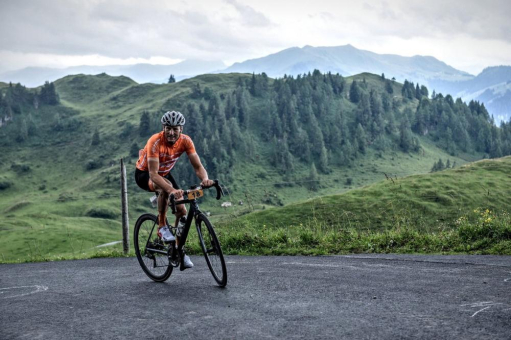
<point x="484" y="304"/>
<point x="38" y="289"/>
<point x="108" y="244"/>
<point x="479" y="311"/>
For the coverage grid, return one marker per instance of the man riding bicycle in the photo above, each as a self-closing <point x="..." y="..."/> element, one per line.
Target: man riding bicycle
<point x="153" y="167"/>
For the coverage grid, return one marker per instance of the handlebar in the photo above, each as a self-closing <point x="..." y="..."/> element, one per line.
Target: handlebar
<point x="216" y="185"/>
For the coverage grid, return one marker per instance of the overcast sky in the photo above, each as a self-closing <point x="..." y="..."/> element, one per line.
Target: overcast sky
<point x="466" y="34"/>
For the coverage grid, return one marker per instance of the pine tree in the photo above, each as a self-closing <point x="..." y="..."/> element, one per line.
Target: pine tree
<point x="323" y="160"/>
<point x="48" y="94"/>
<point x="361" y="138"/>
<point x="95" y="138"/>
<point x="134" y="150"/>
<point x="434" y="168"/>
<point x="424" y="91"/>
<point x="440" y="165"/>
<point x="144" y="128"/>
<point x="208" y="93"/>
<point x="354" y="92"/>
<point x="418" y="93"/>
<point x="196" y="91"/>
<point x="388" y="87"/>
<point x="313" y="178"/>
<point x="23" y="131"/>
<point x="405" y="136"/>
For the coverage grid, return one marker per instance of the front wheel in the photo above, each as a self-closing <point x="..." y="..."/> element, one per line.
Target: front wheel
<point x="211" y="249"/>
<point x="151" y="251"/>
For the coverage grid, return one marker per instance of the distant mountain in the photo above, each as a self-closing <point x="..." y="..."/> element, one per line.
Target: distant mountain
<point x="141" y="73"/>
<point x="348" y="60"/>
<point x="492" y="87"/>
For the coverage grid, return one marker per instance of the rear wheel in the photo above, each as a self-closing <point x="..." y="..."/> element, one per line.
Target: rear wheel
<point x="211" y="249"/>
<point x="150" y="250"/>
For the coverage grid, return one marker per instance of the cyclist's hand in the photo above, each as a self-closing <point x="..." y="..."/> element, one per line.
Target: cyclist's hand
<point x="207" y="183"/>
<point x="178" y="194"/>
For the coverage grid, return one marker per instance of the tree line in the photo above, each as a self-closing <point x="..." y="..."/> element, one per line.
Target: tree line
<point x="317" y="120"/>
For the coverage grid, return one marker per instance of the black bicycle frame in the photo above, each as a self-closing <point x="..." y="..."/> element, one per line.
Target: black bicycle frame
<point x="194" y="211"/>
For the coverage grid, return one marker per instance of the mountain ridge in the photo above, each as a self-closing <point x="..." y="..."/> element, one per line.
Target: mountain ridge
<point x="141" y="73"/>
<point x="347" y="60"/>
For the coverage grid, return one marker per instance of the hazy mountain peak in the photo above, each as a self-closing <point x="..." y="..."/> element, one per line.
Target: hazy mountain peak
<point x="348" y="60"/>
<point x="141" y="73"/>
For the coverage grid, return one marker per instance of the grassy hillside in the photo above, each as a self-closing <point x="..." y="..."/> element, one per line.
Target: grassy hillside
<point x="427" y="201"/>
<point x="457" y="210"/>
<point x="59" y="194"/>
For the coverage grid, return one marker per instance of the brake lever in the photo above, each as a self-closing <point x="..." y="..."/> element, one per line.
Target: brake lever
<point x="219" y="191"/>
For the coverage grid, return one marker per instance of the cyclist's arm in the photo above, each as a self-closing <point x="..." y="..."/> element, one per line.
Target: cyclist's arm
<point x="153" y="165"/>
<point x="199" y="170"/>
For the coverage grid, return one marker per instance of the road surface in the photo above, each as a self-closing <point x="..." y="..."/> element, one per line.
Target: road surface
<point x="330" y="297"/>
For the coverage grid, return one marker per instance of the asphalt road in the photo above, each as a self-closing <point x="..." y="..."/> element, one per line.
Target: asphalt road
<point x="334" y="297"/>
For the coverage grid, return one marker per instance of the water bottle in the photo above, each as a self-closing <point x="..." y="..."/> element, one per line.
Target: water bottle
<point x="180" y="225"/>
<point x="154" y="201"/>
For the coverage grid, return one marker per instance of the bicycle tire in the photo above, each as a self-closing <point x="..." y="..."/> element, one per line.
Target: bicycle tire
<point x="155" y="265"/>
<point x="213" y="255"/>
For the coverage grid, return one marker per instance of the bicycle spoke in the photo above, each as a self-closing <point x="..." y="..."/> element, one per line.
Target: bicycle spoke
<point x="154" y="264"/>
<point x="212" y="251"/>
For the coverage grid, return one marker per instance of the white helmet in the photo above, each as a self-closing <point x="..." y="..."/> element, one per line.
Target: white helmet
<point x="173" y="118"/>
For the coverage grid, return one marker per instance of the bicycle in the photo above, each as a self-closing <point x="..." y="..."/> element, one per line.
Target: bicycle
<point x="158" y="259"/>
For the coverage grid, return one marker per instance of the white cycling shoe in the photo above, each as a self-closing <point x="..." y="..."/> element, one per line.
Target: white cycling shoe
<point x="166" y="235"/>
<point x="186" y="263"/>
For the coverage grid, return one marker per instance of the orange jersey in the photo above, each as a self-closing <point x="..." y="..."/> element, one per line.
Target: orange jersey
<point x="157" y="147"/>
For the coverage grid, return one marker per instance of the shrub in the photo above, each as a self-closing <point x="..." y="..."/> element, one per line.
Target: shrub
<point x="66" y="197"/>
<point x="5" y="185"/>
<point x="20" y="168"/>
<point x="93" y="164"/>
<point x="102" y="213"/>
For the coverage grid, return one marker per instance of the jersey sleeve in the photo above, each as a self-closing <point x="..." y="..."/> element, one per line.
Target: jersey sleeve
<point x="189" y="146"/>
<point x="153" y="147"/>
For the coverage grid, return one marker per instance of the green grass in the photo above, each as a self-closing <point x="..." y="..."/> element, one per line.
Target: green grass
<point x="428" y="201"/>
<point x="51" y="210"/>
<point x="478" y="232"/>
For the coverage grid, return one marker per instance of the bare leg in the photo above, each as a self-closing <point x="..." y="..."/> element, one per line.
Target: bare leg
<point x="163" y="199"/>
<point x="180" y="212"/>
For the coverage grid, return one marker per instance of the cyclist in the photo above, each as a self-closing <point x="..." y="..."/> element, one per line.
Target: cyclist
<point x="153" y="167"/>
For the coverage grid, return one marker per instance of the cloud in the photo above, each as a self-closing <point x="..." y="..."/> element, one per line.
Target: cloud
<point x="439" y="18"/>
<point x="235" y="30"/>
<point x="250" y="16"/>
<point x="123" y="29"/>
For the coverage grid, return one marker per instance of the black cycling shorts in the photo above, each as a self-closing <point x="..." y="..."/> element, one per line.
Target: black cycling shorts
<point x="142" y="179"/>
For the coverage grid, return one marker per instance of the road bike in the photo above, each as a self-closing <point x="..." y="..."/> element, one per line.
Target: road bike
<point x="158" y="258"/>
